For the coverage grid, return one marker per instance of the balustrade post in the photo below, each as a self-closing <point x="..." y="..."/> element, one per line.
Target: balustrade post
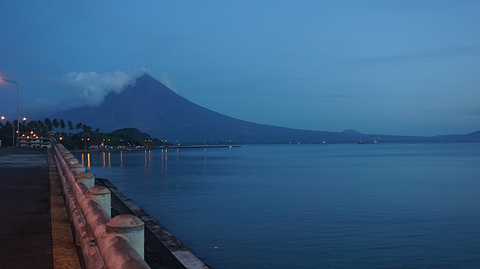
<point x="77" y="168"/>
<point x="86" y="178"/>
<point x="103" y="196"/>
<point x="131" y="227"/>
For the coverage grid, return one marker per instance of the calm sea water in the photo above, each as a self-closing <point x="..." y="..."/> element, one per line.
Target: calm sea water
<point x="311" y="206"/>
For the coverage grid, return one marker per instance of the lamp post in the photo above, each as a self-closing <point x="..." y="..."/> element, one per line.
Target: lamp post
<point x="18" y="123"/>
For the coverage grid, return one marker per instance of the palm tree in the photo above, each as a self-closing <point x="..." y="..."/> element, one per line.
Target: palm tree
<point x="32" y="125"/>
<point x="40" y="127"/>
<point x="86" y="128"/>
<point x="55" y="124"/>
<point x="70" y="125"/>
<point x="62" y="124"/>
<point x="79" y="126"/>
<point x="48" y="124"/>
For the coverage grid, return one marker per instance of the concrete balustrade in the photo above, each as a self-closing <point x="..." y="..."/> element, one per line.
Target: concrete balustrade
<point x="80" y="226"/>
<point x="70" y="160"/>
<point x="131" y="227"/>
<point x="95" y="260"/>
<point x="77" y="168"/>
<point x="105" y="242"/>
<point x="118" y="252"/>
<point x="103" y="196"/>
<point x="66" y="154"/>
<point x="86" y="178"/>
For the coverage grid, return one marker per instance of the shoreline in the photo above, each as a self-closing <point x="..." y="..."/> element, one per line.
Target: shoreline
<point x="160" y="148"/>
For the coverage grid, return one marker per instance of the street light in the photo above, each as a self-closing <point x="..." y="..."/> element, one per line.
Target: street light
<point x="18" y="124"/>
<point x="24" y="123"/>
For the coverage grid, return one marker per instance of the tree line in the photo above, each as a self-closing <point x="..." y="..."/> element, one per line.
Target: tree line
<point x="45" y="128"/>
<point x="71" y="135"/>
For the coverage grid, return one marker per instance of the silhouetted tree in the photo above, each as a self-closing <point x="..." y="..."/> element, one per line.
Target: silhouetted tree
<point x="86" y="128"/>
<point x="40" y="127"/>
<point x="70" y="125"/>
<point x="7" y="131"/>
<point x="32" y="125"/>
<point x="55" y="124"/>
<point x="62" y="124"/>
<point x="79" y="126"/>
<point x="48" y="124"/>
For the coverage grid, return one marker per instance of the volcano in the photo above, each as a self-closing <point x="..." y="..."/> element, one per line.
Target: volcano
<point x="151" y="107"/>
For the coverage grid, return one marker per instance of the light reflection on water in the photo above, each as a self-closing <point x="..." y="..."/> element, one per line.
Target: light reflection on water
<point x="312" y="206"/>
<point x="88" y="164"/>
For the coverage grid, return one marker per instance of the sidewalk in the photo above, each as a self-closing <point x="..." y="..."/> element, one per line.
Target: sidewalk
<point x="25" y="226"/>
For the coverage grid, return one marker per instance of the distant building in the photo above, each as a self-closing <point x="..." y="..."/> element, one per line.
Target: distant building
<point x="33" y="142"/>
<point x="96" y="145"/>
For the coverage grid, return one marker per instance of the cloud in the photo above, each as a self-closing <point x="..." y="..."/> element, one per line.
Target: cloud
<point x="91" y="88"/>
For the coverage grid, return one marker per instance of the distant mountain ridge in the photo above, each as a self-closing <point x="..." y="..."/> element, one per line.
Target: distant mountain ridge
<point x="132" y="132"/>
<point x="155" y="109"/>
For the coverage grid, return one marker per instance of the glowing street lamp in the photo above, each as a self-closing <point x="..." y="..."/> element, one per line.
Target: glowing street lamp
<point x="18" y="124"/>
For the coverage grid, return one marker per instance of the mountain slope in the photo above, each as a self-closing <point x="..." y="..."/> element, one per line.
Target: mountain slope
<point x="153" y="108"/>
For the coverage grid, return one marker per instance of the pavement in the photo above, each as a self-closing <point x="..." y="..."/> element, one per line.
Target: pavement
<point x="34" y="228"/>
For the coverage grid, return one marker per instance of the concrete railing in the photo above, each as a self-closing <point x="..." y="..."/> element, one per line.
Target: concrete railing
<point x="105" y="242"/>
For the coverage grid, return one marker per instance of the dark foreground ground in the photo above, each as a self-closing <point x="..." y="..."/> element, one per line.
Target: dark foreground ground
<point x="34" y="228"/>
<point x="25" y="233"/>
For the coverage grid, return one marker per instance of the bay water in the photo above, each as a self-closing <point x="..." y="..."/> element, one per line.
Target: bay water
<point x="310" y="206"/>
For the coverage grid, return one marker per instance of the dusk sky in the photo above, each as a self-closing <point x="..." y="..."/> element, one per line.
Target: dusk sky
<point x="385" y="67"/>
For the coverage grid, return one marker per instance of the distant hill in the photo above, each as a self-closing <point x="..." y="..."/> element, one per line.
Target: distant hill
<point x="155" y="109"/>
<point x="471" y="137"/>
<point x="133" y="133"/>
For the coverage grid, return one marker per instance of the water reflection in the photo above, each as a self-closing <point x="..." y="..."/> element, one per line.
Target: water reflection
<point x="145" y="166"/>
<point x="148" y="161"/>
<point x="164" y="164"/>
<point x="88" y="166"/>
<point x="178" y="171"/>
<point x="121" y="158"/>
<point x="205" y="163"/>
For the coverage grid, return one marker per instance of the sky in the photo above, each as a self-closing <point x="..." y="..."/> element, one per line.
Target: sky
<point x="380" y="67"/>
